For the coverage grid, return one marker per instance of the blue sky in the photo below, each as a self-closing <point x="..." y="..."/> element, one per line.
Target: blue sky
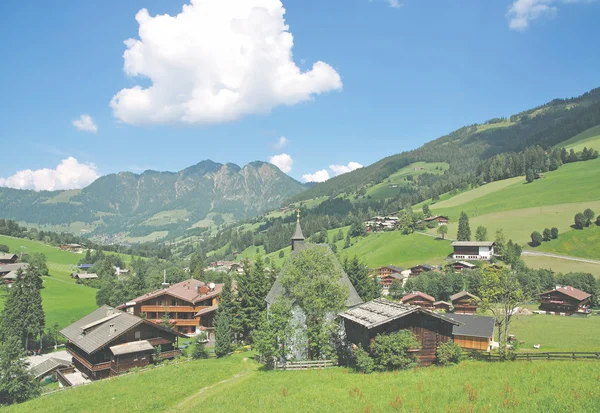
<point x="392" y="79"/>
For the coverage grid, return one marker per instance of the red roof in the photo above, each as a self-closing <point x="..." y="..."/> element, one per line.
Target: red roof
<point x="571" y="292"/>
<point x="417" y="294"/>
<point x="188" y="290"/>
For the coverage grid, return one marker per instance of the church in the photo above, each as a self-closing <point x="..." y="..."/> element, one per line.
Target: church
<point x="277" y="291"/>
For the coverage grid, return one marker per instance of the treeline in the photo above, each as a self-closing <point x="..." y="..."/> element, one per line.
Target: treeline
<point x="532" y="160"/>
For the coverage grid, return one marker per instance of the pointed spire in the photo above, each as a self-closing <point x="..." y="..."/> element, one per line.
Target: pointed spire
<point x="298" y="237"/>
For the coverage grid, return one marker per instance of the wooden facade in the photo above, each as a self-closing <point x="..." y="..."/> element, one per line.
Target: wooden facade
<point x="420" y="299"/>
<point x="473" y="343"/>
<point x="565" y="300"/>
<point x="464" y="303"/>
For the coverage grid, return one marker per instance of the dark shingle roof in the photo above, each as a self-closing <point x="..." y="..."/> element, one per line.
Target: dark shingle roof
<point x="47" y="366"/>
<point x="417" y="294"/>
<point x="473" y="325"/>
<point x="277" y="289"/>
<point x="298" y="235"/>
<point x="571" y="292"/>
<point x="461" y="295"/>
<point x="473" y="243"/>
<point x="93" y="332"/>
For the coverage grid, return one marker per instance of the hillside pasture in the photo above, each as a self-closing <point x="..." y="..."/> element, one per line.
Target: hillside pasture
<point x="589" y="138"/>
<point x="166" y="217"/>
<point x="560" y="265"/>
<point x="583" y="243"/>
<point x="400" y="178"/>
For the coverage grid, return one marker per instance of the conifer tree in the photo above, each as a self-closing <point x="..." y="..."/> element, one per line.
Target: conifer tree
<point x="17" y="383"/>
<point x="464" y="230"/>
<point x="367" y="288"/>
<point x="481" y="233"/>
<point x="223" y="334"/>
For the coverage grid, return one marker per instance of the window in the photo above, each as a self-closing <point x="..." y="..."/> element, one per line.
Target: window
<point x="138" y="335"/>
<point x="173" y="302"/>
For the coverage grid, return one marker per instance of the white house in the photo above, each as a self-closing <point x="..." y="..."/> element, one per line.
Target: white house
<point x="473" y="250"/>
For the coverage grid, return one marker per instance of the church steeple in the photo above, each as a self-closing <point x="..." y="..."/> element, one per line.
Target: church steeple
<point x="298" y="237"/>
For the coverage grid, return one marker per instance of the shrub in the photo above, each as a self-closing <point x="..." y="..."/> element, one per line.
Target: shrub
<point x="579" y="220"/>
<point x="199" y="350"/>
<point x="4" y="248"/>
<point x="363" y="362"/>
<point x="449" y="353"/>
<point x="554" y="233"/>
<point x="536" y="238"/>
<point x="390" y="351"/>
<point x="547" y="234"/>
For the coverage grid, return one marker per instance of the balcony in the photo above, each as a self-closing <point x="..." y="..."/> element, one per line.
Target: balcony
<point x="87" y="364"/>
<point x="170" y="308"/>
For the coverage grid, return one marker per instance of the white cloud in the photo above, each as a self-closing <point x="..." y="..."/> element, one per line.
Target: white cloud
<point x="342" y="169"/>
<point x="394" y="3"/>
<point x="522" y="12"/>
<point x="281" y="142"/>
<point x="319" y="176"/>
<point x="282" y="161"/>
<point x="85" y="123"/>
<point x="216" y="61"/>
<point x="69" y="174"/>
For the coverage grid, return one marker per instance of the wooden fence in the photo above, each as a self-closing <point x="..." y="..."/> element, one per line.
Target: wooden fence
<point x="530" y="356"/>
<point x="304" y="365"/>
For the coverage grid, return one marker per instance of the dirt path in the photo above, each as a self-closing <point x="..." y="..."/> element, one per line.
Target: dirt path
<point x="562" y="257"/>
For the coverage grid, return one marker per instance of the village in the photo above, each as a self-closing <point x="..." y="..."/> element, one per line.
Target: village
<point x="152" y="328"/>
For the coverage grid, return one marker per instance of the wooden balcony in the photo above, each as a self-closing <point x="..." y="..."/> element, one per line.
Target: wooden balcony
<point x="171" y="309"/>
<point x="170" y="354"/>
<point x="87" y="364"/>
<point x="194" y="322"/>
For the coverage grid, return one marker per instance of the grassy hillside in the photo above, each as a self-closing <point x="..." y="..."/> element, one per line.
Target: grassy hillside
<point x="589" y="138"/>
<point x="391" y="186"/>
<point x="234" y="384"/>
<point x="561" y="265"/>
<point x="578" y="243"/>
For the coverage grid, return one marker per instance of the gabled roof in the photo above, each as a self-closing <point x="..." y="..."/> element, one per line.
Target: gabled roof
<point x="427" y="267"/>
<point x="7" y="256"/>
<point x="187" y="290"/>
<point x="417" y="294"/>
<point x="473" y="243"/>
<point x="86" y="276"/>
<point x="277" y="289"/>
<point x="207" y="310"/>
<point x="47" y="366"/>
<point x="462" y="294"/>
<point x="131" y="347"/>
<point x="380" y="311"/>
<point x="393" y="268"/>
<point x="466" y="264"/>
<point x="6" y="268"/>
<point x="571" y="292"/>
<point x="442" y="302"/>
<point x="473" y="325"/>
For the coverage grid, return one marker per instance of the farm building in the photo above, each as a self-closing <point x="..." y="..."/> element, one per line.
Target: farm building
<point x="565" y="300"/>
<point x="441" y="220"/>
<point x="108" y="341"/>
<point x="419" y="299"/>
<point x="464" y="302"/>
<point x="365" y="321"/>
<point x="416" y="270"/>
<point x="49" y="367"/>
<point x="7" y="258"/>
<point x="8" y="272"/>
<point x="71" y="247"/>
<point x="462" y="265"/>
<point x="473" y="250"/>
<point x="442" y="306"/>
<point x="84" y="276"/>
<point x="387" y="280"/>
<point x="474" y="332"/>
<point x="389" y="273"/>
<point x="191" y="306"/>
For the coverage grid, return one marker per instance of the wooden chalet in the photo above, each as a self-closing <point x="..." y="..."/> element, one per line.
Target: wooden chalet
<point x="462" y="265"/>
<point x="387" y="274"/>
<point x="49" y="367"/>
<point x="464" y="303"/>
<point x="473" y="250"/>
<point x="7" y="258"/>
<point x="565" y="300"/>
<point x="108" y="341"/>
<point x="442" y="306"/>
<point x="190" y="305"/>
<point x="365" y="321"/>
<point x="71" y="247"/>
<point x="474" y="332"/>
<point x="85" y="276"/>
<point x="419" y="299"/>
<point x="8" y="272"/>
<point x="441" y="220"/>
<point x="414" y="271"/>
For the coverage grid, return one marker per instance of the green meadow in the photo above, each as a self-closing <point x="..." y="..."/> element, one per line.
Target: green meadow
<point x="589" y="138"/>
<point x="560" y="265"/>
<point x="578" y="243"/>
<point x="236" y="384"/>
<point x="400" y="178"/>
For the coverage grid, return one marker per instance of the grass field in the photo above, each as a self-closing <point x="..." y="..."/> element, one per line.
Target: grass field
<point x="167" y="217"/>
<point x="578" y="243"/>
<point x="153" y="236"/>
<point x="589" y="138"/>
<point x="385" y="248"/>
<point x="236" y="384"/>
<point x="556" y="333"/>
<point x="560" y="265"/>
<point x="383" y="190"/>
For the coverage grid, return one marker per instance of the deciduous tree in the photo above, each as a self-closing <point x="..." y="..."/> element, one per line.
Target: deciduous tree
<point x="554" y="233"/>
<point x="536" y="238"/>
<point x="580" y="220"/>
<point x="17" y="383"/>
<point x="589" y="216"/>
<point x="442" y="230"/>
<point x="547" y="234"/>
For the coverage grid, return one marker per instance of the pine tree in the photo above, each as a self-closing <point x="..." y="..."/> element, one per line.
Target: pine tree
<point x="223" y="334"/>
<point x="500" y="241"/>
<point x="17" y="383"/>
<point x="252" y="289"/>
<point x="367" y="288"/>
<point x="481" y="233"/>
<point x="464" y="230"/>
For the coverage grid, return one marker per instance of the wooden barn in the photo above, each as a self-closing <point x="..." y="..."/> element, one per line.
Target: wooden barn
<point x="464" y="302"/>
<point x="442" y="306"/>
<point x="474" y="333"/>
<point x="365" y="321"/>
<point x="419" y="298"/>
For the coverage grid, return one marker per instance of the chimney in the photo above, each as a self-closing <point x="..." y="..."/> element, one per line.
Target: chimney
<point x="203" y="289"/>
<point x="165" y="284"/>
<point x="111" y="329"/>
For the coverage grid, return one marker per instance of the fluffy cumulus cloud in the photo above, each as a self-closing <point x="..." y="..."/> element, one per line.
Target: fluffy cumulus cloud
<point x="522" y="12"/>
<point x="214" y="62"/>
<point x="281" y="142"/>
<point x="85" y="123"/>
<point x="319" y="176"/>
<point x="323" y="174"/>
<point x="342" y="169"/>
<point x="69" y="174"/>
<point x="282" y="161"/>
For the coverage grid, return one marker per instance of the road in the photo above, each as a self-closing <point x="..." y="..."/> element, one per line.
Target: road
<point x="562" y="257"/>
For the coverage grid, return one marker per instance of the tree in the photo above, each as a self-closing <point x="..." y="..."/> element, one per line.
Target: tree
<point x="272" y="337"/>
<point x="554" y="233"/>
<point x="481" y="233"/>
<point x="396" y="290"/>
<point x="157" y="353"/>
<point x="464" y="231"/>
<point x="529" y="176"/>
<point x="500" y="293"/>
<point x="442" y="230"/>
<point x="4" y="248"/>
<point x="426" y="211"/>
<point x="253" y="285"/>
<point x="223" y="334"/>
<point x="199" y="350"/>
<point x="536" y="239"/>
<point x="311" y="282"/>
<point x="500" y="243"/>
<point x="281" y="254"/>
<point x="580" y="220"/>
<point x="37" y="264"/>
<point x="589" y="216"/>
<point x="23" y="314"/>
<point x="17" y="383"/>
<point x="347" y="243"/>
<point x="391" y="351"/>
<point x="449" y="353"/>
<point x="165" y="321"/>
<point x="598" y="220"/>
<point x="547" y="235"/>
<point x="367" y="288"/>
